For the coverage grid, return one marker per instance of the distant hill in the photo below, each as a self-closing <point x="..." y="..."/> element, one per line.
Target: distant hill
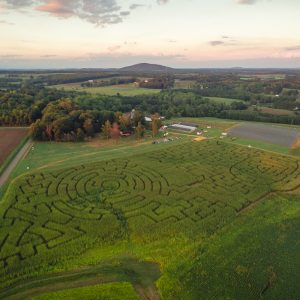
<point x="144" y="67"/>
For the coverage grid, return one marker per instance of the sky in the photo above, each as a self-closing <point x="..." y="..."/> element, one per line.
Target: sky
<point x="177" y="33"/>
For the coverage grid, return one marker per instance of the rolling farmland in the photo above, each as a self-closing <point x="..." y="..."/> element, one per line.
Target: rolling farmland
<point x="143" y="203"/>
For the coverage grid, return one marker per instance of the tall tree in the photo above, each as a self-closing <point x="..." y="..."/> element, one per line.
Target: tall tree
<point x="139" y="131"/>
<point x="155" y="125"/>
<point x="106" y="129"/>
<point x="115" y="131"/>
<point x="88" y="127"/>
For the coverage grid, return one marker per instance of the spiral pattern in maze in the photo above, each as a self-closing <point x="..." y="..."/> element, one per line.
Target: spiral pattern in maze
<point x="203" y="184"/>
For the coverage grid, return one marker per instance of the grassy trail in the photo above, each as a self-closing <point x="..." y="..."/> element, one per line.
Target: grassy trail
<point x="142" y="275"/>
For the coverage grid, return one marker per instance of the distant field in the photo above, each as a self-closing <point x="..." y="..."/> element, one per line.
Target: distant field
<point x="9" y="140"/>
<point x="274" y="111"/>
<point x="223" y="100"/>
<point x="264" y="77"/>
<point x="184" y="84"/>
<point x="124" y="89"/>
<point x="218" y="126"/>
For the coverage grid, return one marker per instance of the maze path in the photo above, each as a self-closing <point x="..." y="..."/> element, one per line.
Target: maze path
<point x="200" y="183"/>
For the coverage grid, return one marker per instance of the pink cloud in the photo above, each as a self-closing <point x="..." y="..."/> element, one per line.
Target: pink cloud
<point x="57" y="7"/>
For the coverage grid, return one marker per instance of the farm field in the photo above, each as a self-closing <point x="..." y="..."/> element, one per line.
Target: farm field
<point x="274" y="111"/>
<point x="219" y="126"/>
<point x="266" y="133"/>
<point x="184" y="84"/>
<point x="124" y="89"/>
<point x="178" y="207"/>
<point x="10" y="138"/>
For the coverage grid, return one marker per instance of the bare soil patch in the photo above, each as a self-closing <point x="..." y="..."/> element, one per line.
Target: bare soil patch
<point x="9" y="140"/>
<point x="297" y="143"/>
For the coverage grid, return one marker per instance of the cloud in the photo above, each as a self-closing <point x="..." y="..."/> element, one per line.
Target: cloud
<point x="135" y="6"/>
<point x="294" y="48"/>
<point x="49" y="55"/>
<point x="10" y="56"/>
<point x="160" y="2"/>
<point x="124" y="13"/>
<point x="216" y="43"/>
<point x="247" y="2"/>
<point x="6" y="23"/>
<point x="18" y="3"/>
<point x="114" y="48"/>
<point x="99" y="12"/>
<point x="226" y="41"/>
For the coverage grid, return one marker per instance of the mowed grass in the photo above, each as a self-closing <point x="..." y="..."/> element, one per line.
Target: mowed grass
<point x="129" y="89"/>
<point x="184" y="207"/>
<point x="111" y="291"/>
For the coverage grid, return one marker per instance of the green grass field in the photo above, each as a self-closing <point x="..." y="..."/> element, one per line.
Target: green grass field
<point x="109" y="291"/>
<point x="123" y="89"/>
<point x="198" y="211"/>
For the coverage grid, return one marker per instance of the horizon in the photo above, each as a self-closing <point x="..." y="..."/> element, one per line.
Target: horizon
<point x="108" y="69"/>
<point x="101" y="34"/>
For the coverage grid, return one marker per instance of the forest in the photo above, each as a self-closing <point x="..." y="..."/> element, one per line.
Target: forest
<point x="58" y="114"/>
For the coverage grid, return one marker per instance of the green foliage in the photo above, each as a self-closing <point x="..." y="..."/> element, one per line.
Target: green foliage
<point x="255" y="257"/>
<point x="139" y="130"/>
<point x="157" y="203"/>
<point x="106" y="129"/>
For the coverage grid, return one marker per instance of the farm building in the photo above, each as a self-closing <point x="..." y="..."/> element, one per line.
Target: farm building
<point x="182" y="127"/>
<point x="148" y="119"/>
<point x="189" y="124"/>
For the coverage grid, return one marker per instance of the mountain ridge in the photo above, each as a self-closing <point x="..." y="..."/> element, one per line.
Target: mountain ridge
<point x="146" y="67"/>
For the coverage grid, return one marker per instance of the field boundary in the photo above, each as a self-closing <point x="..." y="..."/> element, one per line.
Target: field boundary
<point x="21" y="150"/>
<point x="13" y="154"/>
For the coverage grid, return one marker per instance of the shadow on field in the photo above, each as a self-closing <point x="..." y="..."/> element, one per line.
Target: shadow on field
<point x="142" y="275"/>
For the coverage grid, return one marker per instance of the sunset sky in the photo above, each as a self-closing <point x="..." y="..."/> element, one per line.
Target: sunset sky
<point x="177" y="33"/>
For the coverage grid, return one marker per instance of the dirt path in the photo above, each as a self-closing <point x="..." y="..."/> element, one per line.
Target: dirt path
<point x="142" y="275"/>
<point x="5" y="175"/>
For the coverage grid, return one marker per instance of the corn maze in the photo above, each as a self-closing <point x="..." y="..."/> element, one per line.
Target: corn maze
<point x="201" y="185"/>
